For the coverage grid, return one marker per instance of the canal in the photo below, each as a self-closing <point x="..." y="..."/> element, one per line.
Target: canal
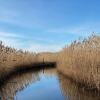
<point x="44" y="84"/>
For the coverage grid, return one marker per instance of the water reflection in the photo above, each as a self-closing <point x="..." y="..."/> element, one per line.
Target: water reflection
<point x="43" y="85"/>
<point x="16" y="86"/>
<point x="17" y="83"/>
<point x="72" y="91"/>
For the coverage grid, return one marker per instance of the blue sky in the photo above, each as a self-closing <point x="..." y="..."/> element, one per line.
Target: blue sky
<point x="47" y="25"/>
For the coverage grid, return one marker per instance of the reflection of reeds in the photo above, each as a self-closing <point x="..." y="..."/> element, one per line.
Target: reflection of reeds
<point x="17" y="83"/>
<point x="72" y="91"/>
<point x="81" y="61"/>
<point x="20" y="81"/>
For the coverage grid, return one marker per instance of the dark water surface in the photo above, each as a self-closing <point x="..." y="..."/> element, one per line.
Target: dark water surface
<point x="43" y="85"/>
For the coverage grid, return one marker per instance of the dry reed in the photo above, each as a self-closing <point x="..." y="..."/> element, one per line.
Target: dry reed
<point x="11" y="58"/>
<point x="81" y="61"/>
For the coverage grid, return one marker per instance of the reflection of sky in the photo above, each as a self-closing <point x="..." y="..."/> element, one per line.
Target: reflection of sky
<point x="45" y="89"/>
<point x="41" y="25"/>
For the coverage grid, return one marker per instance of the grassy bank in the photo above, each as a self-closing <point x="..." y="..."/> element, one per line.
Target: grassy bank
<point x="80" y="61"/>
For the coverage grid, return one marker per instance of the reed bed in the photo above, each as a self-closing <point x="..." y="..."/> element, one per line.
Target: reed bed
<point x="11" y="58"/>
<point x="80" y="61"/>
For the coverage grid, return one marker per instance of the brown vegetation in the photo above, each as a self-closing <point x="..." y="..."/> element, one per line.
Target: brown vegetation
<point x="81" y="61"/>
<point x="12" y="58"/>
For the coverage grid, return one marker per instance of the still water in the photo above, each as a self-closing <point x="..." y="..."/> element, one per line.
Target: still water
<point x="45" y="84"/>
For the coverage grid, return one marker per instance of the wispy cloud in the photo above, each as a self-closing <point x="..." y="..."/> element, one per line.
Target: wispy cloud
<point x="81" y="30"/>
<point x="45" y="26"/>
<point x="11" y="39"/>
<point x="23" y="36"/>
<point x="36" y="47"/>
<point x="16" y="13"/>
<point x="14" y="43"/>
<point x="33" y="44"/>
<point x="8" y="34"/>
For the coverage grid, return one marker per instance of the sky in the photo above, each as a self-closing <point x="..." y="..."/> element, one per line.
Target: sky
<point x="47" y="25"/>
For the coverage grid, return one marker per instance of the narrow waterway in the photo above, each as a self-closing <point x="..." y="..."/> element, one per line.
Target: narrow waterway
<point x="45" y="84"/>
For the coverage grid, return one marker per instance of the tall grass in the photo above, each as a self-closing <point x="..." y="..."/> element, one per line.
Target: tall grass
<point x="81" y="61"/>
<point x="11" y="58"/>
